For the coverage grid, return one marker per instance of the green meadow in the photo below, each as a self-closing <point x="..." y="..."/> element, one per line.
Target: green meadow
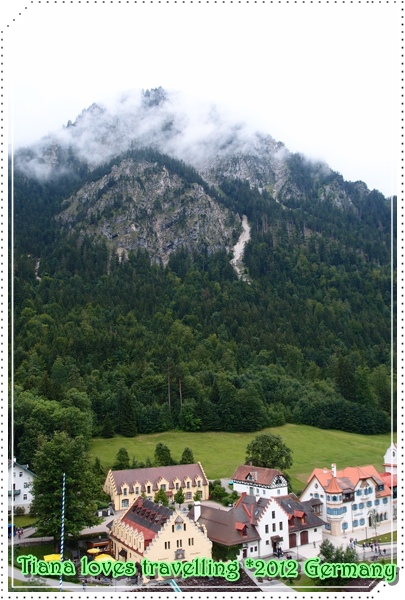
<point x="221" y="453"/>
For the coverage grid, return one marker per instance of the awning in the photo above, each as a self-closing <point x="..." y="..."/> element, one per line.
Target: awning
<point x="123" y="553"/>
<point x="276" y="538"/>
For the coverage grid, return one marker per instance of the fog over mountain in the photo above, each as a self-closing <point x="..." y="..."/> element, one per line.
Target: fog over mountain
<point x="200" y="134"/>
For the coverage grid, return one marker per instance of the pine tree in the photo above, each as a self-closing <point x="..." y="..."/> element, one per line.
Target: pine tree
<point x="162" y="456"/>
<point x="121" y="460"/>
<point x="187" y="457"/>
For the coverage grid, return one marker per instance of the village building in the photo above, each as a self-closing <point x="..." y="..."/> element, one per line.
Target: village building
<point x="348" y="497"/>
<point x="20" y="480"/>
<point x="390" y="459"/>
<point x="152" y="531"/>
<point x="259" y="481"/>
<point x="126" y="485"/>
<point x="262" y="526"/>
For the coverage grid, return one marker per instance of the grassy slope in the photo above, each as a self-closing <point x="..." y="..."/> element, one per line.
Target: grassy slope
<point x="221" y="453"/>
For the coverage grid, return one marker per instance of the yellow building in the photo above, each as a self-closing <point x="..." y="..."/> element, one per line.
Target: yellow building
<point x="154" y="532"/>
<point x="125" y="486"/>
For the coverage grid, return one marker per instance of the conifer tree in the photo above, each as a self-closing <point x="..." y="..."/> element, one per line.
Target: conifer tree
<point x="187" y="458"/>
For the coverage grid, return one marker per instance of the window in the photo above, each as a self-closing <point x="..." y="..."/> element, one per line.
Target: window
<point x="25" y="497"/>
<point x="177" y="485"/>
<point x="267" y="542"/>
<point x="376" y="502"/>
<point x="274" y="527"/>
<point x="137" y="491"/>
<point x="266" y="529"/>
<point x="148" y="489"/>
<point x="172" y="528"/>
<point x="184" y="527"/>
<point x="358" y="493"/>
<point x="355" y="523"/>
<point x="26" y="484"/>
<point x="273" y="514"/>
<point x="369" y="503"/>
<point x="191" y="541"/>
<point x="385" y="500"/>
<point x="188" y="485"/>
<point x="20" y="474"/>
<point x="362" y="521"/>
<point x="361" y="505"/>
<point x="344" y="525"/>
<point x="278" y="492"/>
<point x="189" y="495"/>
<point x="327" y="497"/>
<point x="163" y="487"/>
<point x="125" y="491"/>
<point x="124" y="503"/>
<point x="251" y="548"/>
<point x="167" y="545"/>
<point x="316" y="495"/>
<point x="179" y="543"/>
<point x="354" y="506"/>
<point x="280" y="526"/>
<point x="199" y="483"/>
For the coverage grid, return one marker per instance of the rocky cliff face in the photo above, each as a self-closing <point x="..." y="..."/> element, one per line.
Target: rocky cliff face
<point x="141" y="204"/>
<point x="145" y="203"/>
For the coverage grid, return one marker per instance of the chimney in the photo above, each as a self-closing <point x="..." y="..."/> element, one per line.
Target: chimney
<point x="250" y="463"/>
<point x="333" y="470"/>
<point x="197" y="510"/>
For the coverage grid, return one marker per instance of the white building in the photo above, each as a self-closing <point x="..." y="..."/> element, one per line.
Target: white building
<point x="20" y="480"/>
<point x="390" y="459"/>
<point x="349" y="497"/>
<point x="259" y="481"/>
<point x="262" y="525"/>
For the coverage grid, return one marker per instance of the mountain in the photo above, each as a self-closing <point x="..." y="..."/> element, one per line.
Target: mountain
<point x="128" y="304"/>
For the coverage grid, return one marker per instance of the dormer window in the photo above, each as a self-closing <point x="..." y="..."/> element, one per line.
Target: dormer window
<point x="125" y="491"/>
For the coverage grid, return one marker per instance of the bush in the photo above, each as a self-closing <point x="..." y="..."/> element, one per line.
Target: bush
<point x="19" y="510"/>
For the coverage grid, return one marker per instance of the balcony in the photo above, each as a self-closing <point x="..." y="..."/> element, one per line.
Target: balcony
<point x="14" y="492"/>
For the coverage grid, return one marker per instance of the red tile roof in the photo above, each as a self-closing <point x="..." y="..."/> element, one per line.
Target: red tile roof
<point x="389" y="479"/>
<point x="352" y="475"/>
<point x="333" y="487"/>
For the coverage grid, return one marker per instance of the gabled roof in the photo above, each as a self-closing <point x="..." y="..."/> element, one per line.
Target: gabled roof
<point x="349" y="478"/>
<point x="226" y="527"/>
<point x="147" y="517"/>
<point x="389" y="479"/>
<point x="252" y="474"/>
<point x="14" y="463"/>
<point x="296" y="510"/>
<point x="155" y="474"/>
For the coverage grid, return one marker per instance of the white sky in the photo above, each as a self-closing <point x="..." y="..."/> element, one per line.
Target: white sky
<point x="321" y="78"/>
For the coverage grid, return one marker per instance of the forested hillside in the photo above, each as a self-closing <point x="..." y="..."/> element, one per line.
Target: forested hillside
<point x="137" y="347"/>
